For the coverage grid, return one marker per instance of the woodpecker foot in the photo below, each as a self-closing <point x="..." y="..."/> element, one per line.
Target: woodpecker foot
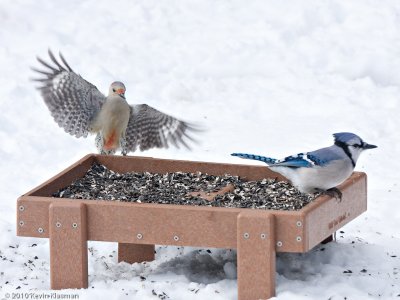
<point x="107" y="152"/>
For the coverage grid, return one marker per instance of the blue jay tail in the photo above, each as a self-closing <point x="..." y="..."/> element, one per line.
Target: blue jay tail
<point x="267" y="160"/>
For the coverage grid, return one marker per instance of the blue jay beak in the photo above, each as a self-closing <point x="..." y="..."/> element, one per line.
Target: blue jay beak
<point x="368" y="146"/>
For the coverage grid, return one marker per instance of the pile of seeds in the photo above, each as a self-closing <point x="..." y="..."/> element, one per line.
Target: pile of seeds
<point x="180" y="188"/>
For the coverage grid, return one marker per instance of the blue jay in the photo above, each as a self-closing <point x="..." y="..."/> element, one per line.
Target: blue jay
<point x="320" y="170"/>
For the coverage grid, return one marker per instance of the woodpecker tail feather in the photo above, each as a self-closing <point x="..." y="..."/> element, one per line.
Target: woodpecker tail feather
<point x="267" y="160"/>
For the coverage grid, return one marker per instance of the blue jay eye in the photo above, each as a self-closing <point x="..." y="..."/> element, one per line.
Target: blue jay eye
<point x="114" y="90"/>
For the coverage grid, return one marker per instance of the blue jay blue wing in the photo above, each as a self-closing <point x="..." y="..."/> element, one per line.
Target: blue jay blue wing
<point x="318" y="157"/>
<point x="326" y="155"/>
<point x="301" y="160"/>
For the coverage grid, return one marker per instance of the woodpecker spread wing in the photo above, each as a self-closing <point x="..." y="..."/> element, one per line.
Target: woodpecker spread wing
<point x="149" y="128"/>
<point x="73" y="102"/>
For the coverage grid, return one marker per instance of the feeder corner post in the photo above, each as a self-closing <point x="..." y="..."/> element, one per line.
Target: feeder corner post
<point x="256" y="255"/>
<point x="68" y="245"/>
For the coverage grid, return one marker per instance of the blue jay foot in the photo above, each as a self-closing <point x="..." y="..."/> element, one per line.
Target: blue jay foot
<point x="333" y="192"/>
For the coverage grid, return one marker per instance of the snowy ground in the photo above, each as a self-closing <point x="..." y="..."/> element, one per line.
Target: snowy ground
<point x="269" y="77"/>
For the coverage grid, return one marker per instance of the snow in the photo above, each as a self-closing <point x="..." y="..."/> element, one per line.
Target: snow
<point x="265" y="77"/>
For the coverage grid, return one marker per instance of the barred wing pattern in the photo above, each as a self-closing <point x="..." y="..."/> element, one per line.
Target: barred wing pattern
<point x="73" y="102"/>
<point x="150" y="128"/>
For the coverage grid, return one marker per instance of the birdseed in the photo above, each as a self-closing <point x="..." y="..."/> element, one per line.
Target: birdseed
<point x="181" y="188"/>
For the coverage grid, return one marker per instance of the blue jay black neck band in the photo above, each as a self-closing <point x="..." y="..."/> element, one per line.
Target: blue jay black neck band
<point x="346" y="150"/>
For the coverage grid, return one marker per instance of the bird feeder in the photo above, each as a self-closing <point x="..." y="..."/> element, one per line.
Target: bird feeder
<point x="257" y="234"/>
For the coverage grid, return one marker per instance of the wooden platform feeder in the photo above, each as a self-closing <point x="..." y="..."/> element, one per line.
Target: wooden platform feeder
<point x="256" y="234"/>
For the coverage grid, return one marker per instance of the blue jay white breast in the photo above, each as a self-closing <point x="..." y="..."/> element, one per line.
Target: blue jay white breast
<point x="322" y="169"/>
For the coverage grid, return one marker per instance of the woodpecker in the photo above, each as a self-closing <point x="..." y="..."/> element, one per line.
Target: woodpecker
<point x="80" y="108"/>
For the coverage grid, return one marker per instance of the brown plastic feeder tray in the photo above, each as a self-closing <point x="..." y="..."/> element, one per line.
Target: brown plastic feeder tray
<point x="256" y="233"/>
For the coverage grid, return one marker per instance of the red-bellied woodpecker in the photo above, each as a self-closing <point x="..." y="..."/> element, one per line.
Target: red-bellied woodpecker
<point x="80" y="108"/>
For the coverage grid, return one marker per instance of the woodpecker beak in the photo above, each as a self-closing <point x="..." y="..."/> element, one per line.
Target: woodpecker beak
<point x="121" y="92"/>
<point x="368" y="146"/>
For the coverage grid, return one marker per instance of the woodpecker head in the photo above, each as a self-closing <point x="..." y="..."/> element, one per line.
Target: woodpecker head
<point x="352" y="144"/>
<point x="117" y="88"/>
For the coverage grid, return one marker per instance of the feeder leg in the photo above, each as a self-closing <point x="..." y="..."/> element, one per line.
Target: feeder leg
<point x="329" y="239"/>
<point x="133" y="253"/>
<point x="68" y="245"/>
<point x="255" y="256"/>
